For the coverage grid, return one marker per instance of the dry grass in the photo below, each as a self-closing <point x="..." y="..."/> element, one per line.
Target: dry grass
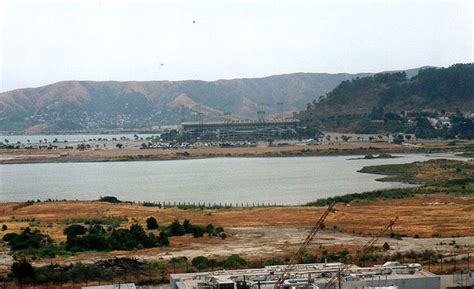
<point x="423" y="215"/>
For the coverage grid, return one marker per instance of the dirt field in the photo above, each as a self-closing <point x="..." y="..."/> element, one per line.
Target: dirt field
<point x="268" y="231"/>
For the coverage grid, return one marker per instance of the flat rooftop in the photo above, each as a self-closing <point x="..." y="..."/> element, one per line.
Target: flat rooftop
<point x="316" y="274"/>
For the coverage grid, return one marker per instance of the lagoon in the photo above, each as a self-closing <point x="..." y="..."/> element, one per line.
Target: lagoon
<point x="291" y="180"/>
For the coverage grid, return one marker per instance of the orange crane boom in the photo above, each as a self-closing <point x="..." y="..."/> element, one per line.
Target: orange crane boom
<point x="364" y="250"/>
<point x="294" y="259"/>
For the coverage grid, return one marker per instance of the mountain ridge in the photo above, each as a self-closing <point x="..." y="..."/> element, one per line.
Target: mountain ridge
<point x="84" y="104"/>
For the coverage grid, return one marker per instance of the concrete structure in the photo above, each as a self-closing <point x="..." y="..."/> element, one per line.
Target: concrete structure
<point x="461" y="279"/>
<point x="312" y="276"/>
<point x="241" y="129"/>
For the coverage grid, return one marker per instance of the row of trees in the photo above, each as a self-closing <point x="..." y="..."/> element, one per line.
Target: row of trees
<point x="99" y="237"/>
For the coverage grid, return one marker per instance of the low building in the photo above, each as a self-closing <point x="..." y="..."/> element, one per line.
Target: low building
<point x="312" y="276"/>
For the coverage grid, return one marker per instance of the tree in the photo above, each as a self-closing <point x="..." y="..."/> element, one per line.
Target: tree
<point x="234" y="261"/>
<point x="176" y="229"/>
<point x="164" y="239"/>
<point x="22" y="270"/>
<point x="74" y="230"/>
<point x="119" y="146"/>
<point x="4" y="227"/>
<point x="200" y="262"/>
<point x="386" y="246"/>
<point x="210" y="229"/>
<point x="151" y="223"/>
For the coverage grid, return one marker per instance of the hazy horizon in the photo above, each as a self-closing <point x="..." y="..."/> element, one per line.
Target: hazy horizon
<point x="210" y="40"/>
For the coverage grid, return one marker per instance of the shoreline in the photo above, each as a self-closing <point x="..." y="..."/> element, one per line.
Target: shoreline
<point x="24" y="156"/>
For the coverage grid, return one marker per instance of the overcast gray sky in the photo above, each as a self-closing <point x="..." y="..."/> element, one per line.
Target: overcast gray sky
<point x="49" y="41"/>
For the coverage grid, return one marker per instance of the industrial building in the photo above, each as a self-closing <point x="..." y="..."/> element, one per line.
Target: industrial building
<point x="241" y="129"/>
<point x="312" y="276"/>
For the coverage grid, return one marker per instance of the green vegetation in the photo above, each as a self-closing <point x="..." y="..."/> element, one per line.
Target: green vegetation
<point x="31" y="242"/>
<point x="368" y="196"/>
<point x="433" y="173"/>
<point x="110" y="199"/>
<point x="98" y="235"/>
<point x="446" y="176"/>
<point x="98" y="239"/>
<point x="151" y="223"/>
<point x="391" y="103"/>
<point x="178" y="229"/>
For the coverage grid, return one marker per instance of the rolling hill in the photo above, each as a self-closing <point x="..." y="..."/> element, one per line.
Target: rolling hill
<point x="372" y="104"/>
<point x="89" y="105"/>
<point x="95" y="105"/>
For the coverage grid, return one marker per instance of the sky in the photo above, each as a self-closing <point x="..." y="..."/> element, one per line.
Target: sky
<point x="43" y="42"/>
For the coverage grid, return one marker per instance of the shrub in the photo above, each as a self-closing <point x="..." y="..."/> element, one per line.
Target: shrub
<point x="74" y="230"/>
<point x="109" y="199"/>
<point x="121" y="239"/>
<point x="176" y="229"/>
<point x="30" y="242"/>
<point x="4" y="227"/>
<point x="234" y="261"/>
<point x="22" y="270"/>
<point x="151" y="223"/>
<point x="198" y="231"/>
<point x="200" y="261"/>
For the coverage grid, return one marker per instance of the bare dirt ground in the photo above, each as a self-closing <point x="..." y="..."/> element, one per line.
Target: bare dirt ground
<point x="263" y="232"/>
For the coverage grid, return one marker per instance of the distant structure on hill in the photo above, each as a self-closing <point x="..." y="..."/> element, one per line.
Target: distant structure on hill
<point x="241" y="129"/>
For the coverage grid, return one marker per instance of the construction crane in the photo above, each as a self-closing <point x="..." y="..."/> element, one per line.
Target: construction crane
<point x="294" y="260"/>
<point x="364" y="250"/>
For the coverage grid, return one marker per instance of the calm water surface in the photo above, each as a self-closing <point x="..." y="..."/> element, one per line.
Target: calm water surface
<point x="292" y="180"/>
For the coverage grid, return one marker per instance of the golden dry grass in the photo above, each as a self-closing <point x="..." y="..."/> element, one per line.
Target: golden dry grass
<point x="423" y="215"/>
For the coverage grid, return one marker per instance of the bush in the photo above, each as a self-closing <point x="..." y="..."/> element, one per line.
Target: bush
<point x="109" y="199"/>
<point x="121" y="239"/>
<point x="74" y="230"/>
<point x="200" y="261"/>
<point x="176" y="229"/>
<point x="4" y="227"/>
<point x="234" y="261"/>
<point x="151" y="223"/>
<point x="22" y="270"/>
<point x="198" y="231"/>
<point x="31" y="243"/>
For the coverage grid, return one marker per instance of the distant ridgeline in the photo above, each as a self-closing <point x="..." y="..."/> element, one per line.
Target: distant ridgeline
<point x="89" y="105"/>
<point x="438" y="102"/>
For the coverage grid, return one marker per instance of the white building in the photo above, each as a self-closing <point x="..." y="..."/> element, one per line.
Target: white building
<point x="312" y="276"/>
